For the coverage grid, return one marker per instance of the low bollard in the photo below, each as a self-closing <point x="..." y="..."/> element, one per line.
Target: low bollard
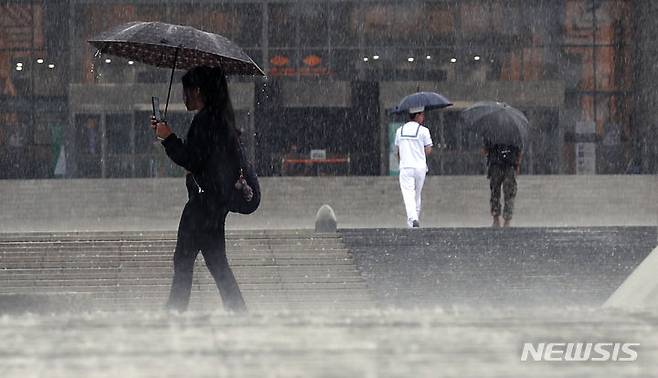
<point x="325" y="219"/>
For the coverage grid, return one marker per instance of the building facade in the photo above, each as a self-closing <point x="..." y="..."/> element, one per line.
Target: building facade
<point x="581" y="70"/>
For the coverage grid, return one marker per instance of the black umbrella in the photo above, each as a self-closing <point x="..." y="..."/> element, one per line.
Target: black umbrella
<point x="497" y="123"/>
<point x="176" y="46"/>
<point x="424" y="100"/>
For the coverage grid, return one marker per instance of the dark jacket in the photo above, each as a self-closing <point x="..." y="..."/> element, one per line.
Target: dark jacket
<point x="502" y="155"/>
<point x="209" y="154"/>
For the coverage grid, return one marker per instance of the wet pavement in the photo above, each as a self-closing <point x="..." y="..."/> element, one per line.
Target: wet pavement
<point x="482" y="266"/>
<point x="455" y="342"/>
<point x="447" y="302"/>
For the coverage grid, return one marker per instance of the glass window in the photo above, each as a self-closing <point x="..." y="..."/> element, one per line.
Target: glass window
<point x="343" y="24"/>
<point x="13" y="141"/>
<point x="282" y="31"/>
<point x="543" y="30"/>
<point x="88" y="134"/>
<point x="88" y="140"/>
<point x="476" y="19"/>
<point x="21" y="37"/>
<point x="578" y="22"/>
<point x="248" y="25"/>
<point x="393" y="24"/>
<point x="313" y="23"/>
<point x="119" y="162"/>
<point x="346" y="63"/>
<point x="212" y="18"/>
<point x="144" y="138"/>
<point x="22" y="26"/>
<point x="240" y="23"/>
<point x="439" y="23"/>
<point x="613" y="20"/>
<point x="544" y="140"/>
<point x="576" y="68"/>
<point x="119" y="130"/>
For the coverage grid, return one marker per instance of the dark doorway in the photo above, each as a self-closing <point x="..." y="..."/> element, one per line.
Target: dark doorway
<point x="298" y="131"/>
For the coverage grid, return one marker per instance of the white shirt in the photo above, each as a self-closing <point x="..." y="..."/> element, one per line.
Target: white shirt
<point x="411" y="139"/>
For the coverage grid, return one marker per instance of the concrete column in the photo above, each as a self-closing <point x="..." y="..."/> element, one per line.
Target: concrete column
<point x="645" y="127"/>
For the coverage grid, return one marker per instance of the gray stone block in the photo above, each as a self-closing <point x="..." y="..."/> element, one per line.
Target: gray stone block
<point x="325" y="219"/>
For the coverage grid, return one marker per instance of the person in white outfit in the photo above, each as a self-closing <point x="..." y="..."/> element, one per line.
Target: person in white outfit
<point x="414" y="144"/>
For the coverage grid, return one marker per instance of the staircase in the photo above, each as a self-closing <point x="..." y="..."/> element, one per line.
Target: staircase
<point x="276" y="270"/>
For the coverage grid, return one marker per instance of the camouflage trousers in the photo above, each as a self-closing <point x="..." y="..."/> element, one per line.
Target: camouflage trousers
<point x="505" y="177"/>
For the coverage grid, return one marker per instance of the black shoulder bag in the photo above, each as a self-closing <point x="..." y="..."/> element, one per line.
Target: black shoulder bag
<point x="245" y="196"/>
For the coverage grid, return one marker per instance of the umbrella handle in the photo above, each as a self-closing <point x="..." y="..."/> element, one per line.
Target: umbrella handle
<point x="171" y="80"/>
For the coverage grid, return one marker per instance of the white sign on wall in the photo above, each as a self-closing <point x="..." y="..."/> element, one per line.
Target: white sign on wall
<point x="585" y="151"/>
<point x="585" y="158"/>
<point x="318" y="154"/>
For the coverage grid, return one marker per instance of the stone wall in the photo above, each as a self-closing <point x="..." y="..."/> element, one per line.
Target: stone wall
<point x="292" y="202"/>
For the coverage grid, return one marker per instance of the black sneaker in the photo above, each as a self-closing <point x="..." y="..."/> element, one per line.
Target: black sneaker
<point x="415" y="224"/>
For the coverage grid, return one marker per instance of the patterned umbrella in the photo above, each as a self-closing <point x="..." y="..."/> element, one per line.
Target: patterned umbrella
<point x="177" y="46"/>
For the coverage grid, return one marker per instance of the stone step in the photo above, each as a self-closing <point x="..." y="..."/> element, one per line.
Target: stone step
<point x="245" y="275"/>
<point x="163" y="236"/>
<point x="301" y="259"/>
<point x="147" y="285"/>
<point x="274" y="269"/>
<point x="98" y="252"/>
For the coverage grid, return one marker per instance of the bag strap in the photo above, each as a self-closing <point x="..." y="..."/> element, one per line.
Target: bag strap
<point x="241" y="159"/>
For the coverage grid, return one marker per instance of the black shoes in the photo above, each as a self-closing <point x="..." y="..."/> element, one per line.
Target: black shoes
<point x="415" y="224"/>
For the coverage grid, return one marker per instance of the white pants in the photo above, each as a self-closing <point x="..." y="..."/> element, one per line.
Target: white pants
<point x="411" y="184"/>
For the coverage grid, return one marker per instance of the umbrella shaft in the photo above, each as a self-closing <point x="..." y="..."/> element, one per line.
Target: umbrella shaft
<point x="171" y="80"/>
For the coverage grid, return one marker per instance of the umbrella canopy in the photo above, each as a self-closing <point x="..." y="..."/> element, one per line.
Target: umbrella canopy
<point x="497" y="123"/>
<point x="424" y="100"/>
<point x="176" y="46"/>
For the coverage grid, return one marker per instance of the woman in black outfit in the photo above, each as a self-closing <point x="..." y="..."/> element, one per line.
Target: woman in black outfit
<point x="210" y="155"/>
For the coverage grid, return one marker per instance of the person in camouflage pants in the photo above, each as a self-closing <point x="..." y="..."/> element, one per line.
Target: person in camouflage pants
<point x="503" y="165"/>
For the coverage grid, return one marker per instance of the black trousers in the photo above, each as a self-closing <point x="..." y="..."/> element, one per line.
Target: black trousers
<point x="201" y="228"/>
<point x="504" y="176"/>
